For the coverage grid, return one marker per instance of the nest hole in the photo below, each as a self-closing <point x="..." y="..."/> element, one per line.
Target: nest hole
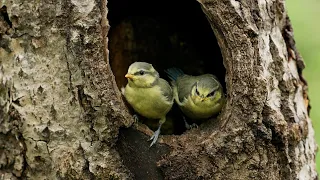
<point x="166" y="34"/>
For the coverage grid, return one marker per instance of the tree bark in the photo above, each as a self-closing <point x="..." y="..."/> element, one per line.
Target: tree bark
<point x="62" y="115"/>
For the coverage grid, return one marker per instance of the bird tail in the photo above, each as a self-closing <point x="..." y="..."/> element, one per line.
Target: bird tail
<point x="173" y="73"/>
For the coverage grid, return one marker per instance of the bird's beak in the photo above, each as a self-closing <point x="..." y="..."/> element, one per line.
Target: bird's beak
<point x="204" y="99"/>
<point x="129" y="76"/>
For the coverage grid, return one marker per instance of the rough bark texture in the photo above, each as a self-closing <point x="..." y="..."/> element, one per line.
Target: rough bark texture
<point x="60" y="108"/>
<point x="61" y="111"/>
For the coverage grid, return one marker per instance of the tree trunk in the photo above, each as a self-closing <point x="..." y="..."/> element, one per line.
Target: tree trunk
<point x="62" y="115"/>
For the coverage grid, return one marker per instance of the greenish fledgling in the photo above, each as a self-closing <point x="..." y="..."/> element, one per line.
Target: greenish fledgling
<point x="199" y="97"/>
<point x="148" y="94"/>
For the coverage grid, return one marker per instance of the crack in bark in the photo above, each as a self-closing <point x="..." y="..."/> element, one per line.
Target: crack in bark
<point x="5" y="23"/>
<point x="68" y="66"/>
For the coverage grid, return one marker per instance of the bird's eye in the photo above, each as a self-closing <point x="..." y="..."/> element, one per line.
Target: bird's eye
<point x="211" y="94"/>
<point x="141" y="72"/>
<point x="197" y="92"/>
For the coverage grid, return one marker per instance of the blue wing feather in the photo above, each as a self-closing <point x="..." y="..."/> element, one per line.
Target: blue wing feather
<point x="174" y="73"/>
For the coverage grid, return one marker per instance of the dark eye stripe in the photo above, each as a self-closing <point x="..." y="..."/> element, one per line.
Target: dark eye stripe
<point x="138" y="73"/>
<point x="211" y="94"/>
<point x="197" y="92"/>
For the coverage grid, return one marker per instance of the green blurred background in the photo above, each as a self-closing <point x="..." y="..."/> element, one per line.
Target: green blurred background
<point x="304" y="16"/>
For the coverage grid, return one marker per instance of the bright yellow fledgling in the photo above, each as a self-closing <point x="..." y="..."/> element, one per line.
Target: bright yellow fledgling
<point x="199" y="97"/>
<point x="148" y="94"/>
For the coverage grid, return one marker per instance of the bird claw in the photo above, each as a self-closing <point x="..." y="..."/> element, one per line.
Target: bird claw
<point x="135" y="118"/>
<point x="188" y="126"/>
<point x="193" y="126"/>
<point x="154" y="137"/>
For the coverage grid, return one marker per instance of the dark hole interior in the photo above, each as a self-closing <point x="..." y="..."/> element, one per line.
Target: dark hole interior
<point x="166" y="34"/>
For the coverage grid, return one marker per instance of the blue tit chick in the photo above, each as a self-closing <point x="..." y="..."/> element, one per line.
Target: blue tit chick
<point x="199" y="97"/>
<point x="148" y="94"/>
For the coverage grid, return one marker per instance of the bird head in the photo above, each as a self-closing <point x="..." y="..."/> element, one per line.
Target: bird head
<point x="141" y="74"/>
<point x="207" y="90"/>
